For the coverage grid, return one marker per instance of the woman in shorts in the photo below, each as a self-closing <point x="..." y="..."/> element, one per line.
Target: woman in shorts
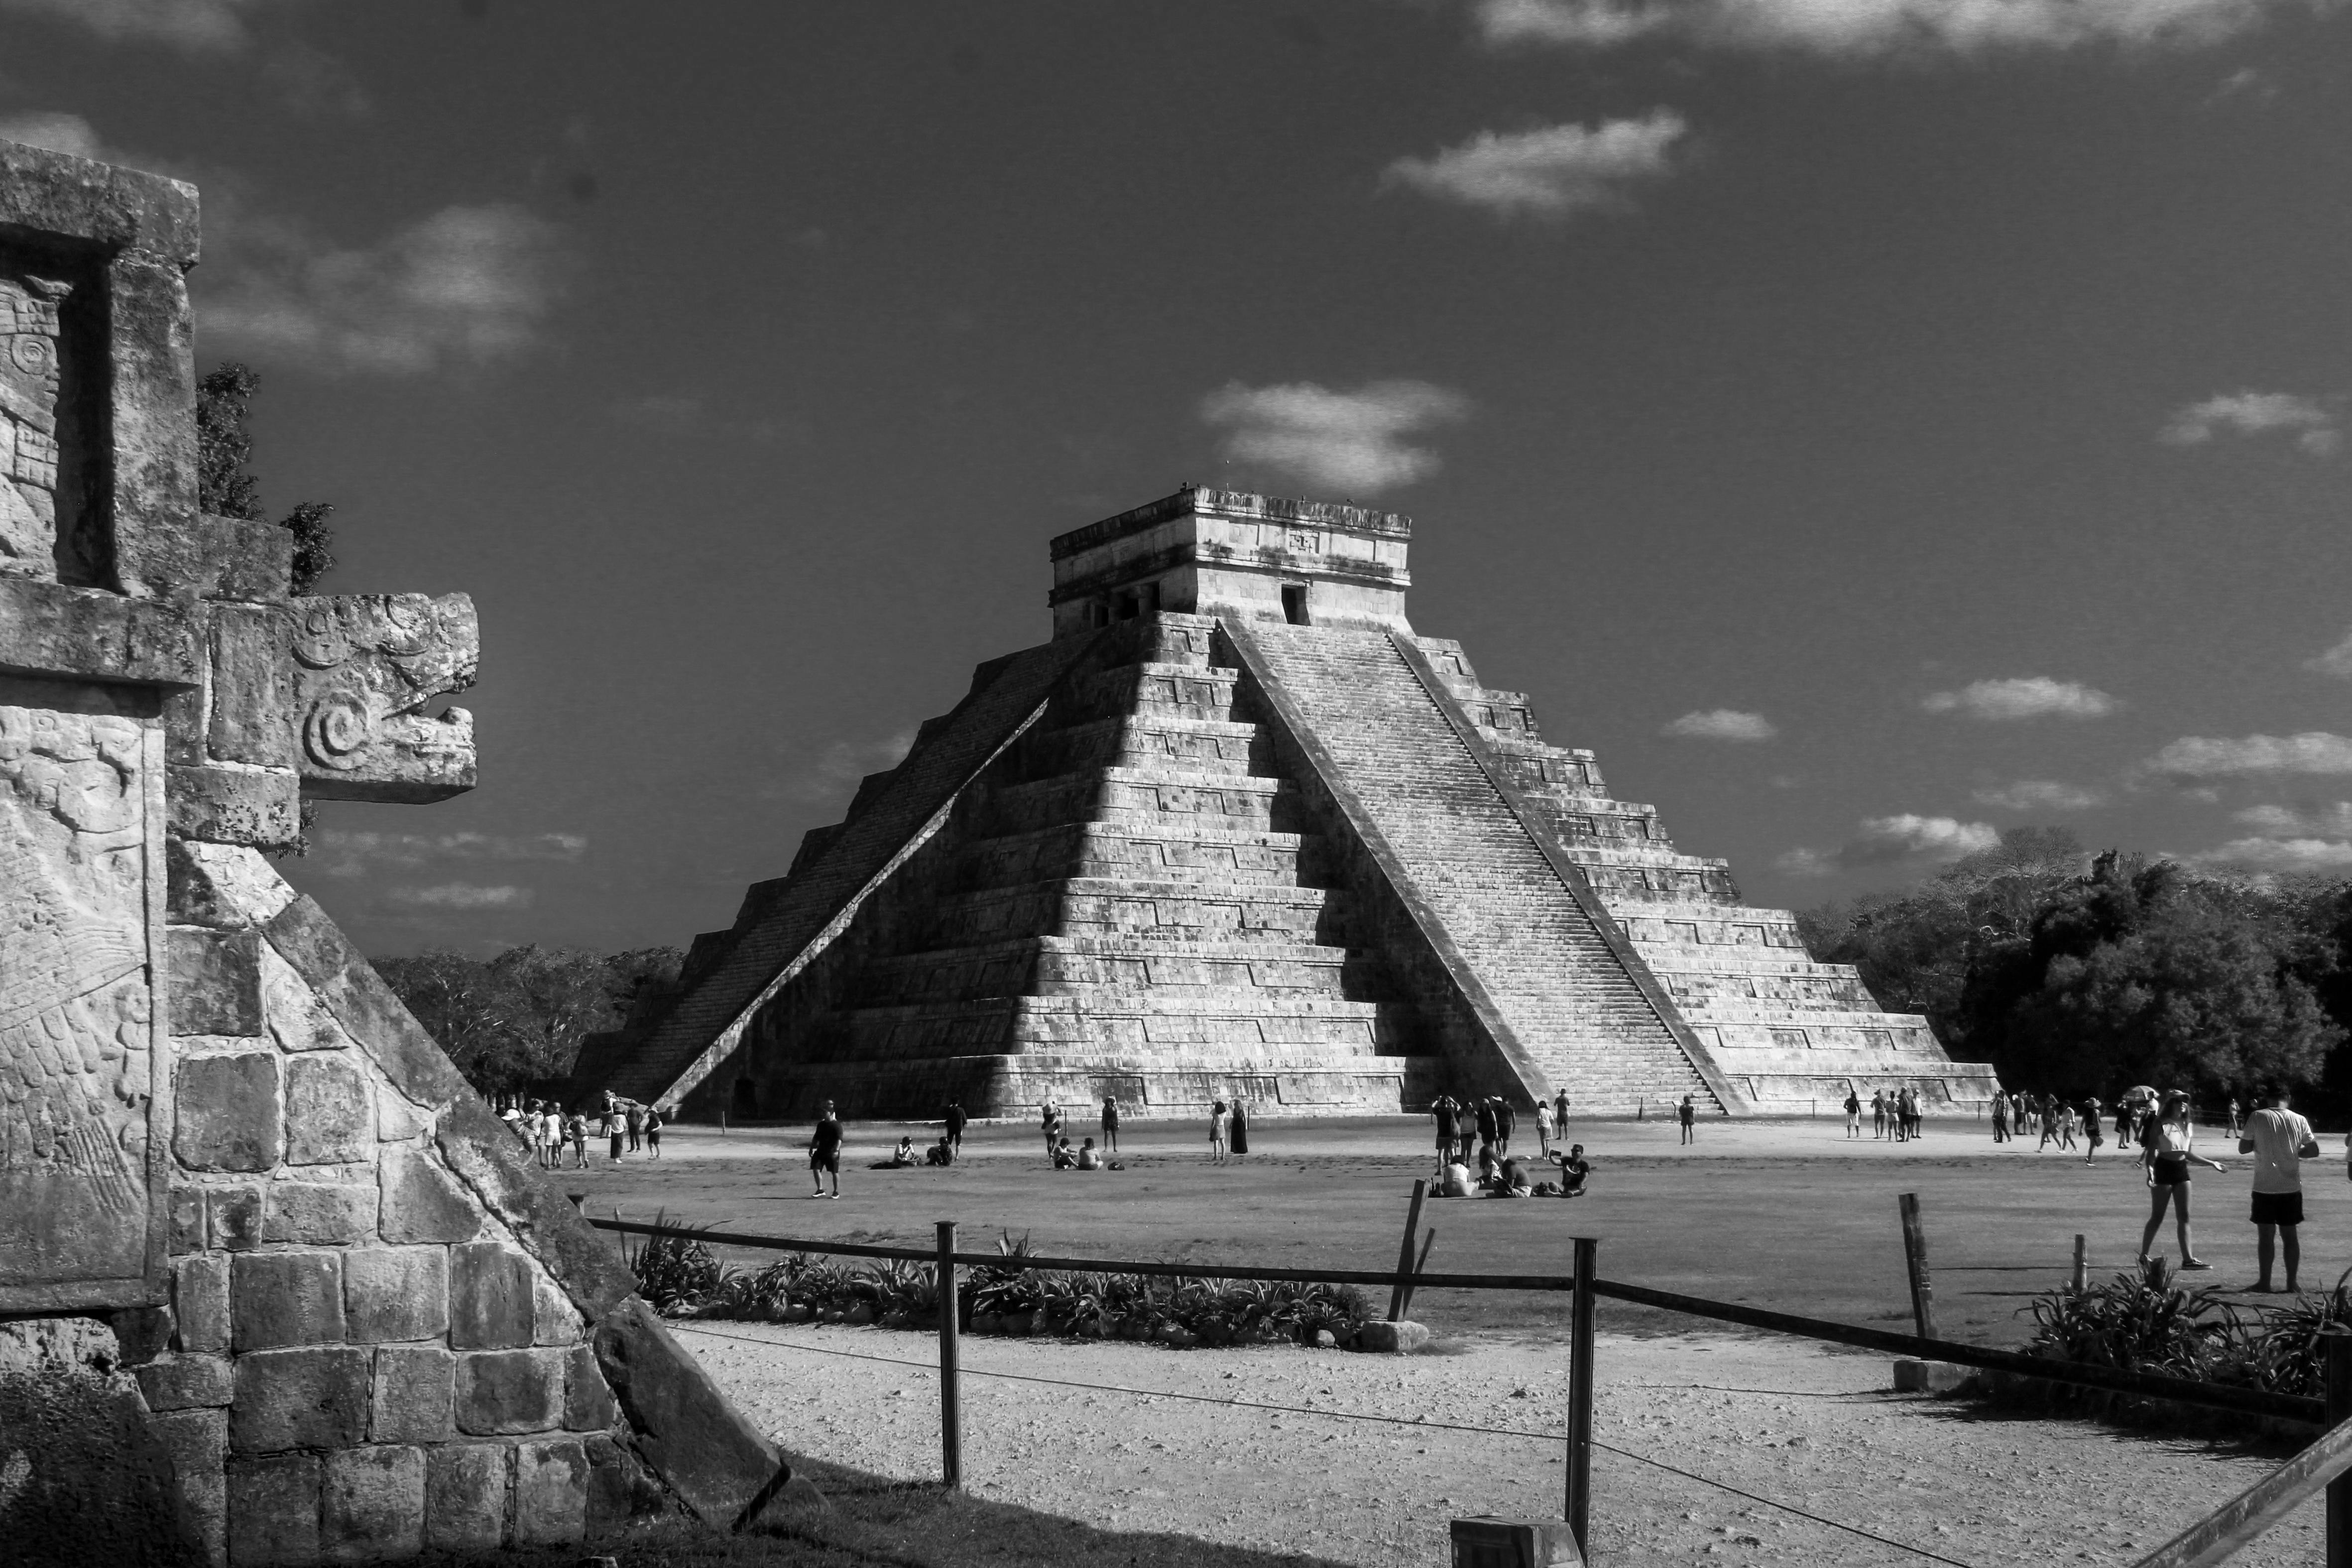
<point x="2166" y="1151"/>
<point x="1217" y="1133"/>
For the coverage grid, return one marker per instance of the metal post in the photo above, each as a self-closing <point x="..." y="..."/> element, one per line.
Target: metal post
<point x="1914" y="1261"/>
<point x="1397" y="1292"/>
<point x="2081" y="1263"/>
<point x="2340" y="1410"/>
<point x="951" y="1396"/>
<point x="1580" y="1398"/>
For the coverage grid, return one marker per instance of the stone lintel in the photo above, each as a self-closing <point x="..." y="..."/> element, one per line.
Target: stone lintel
<point x="100" y="205"/>
<point x="87" y="633"/>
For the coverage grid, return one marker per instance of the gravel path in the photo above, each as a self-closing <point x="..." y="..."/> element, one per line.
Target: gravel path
<point x="1787" y="1421"/>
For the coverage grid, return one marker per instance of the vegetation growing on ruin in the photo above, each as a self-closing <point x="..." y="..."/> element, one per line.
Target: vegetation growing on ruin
<point x="513" y="1023"/>
<point x="226" y="488"/>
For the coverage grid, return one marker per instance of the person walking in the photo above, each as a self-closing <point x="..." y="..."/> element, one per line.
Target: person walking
<point x="2092" y="1130"/>
<point x="952" y="1123"/>
<point x="1543" y="1128"/>
<point x="1110" y="1125"/>
<point x="1559" y="1113"/>
<point x="1853" y="1112"/>
<point x="1238" y="1134"/>
<point x="1687" y="1114"/>
<point x="2233" y="1114"/>
<point x="576" y="1126"/>
<point x="653" y="1131"/>
<point x="1443" y="1109"/>
<point x="2279" y="1139"/>
<point x="2050" y="1120"/>
<point x="1483" y="1119"/>
<point x="2066" y="1119"/>
<point x="1506" y="1120"/>
<point x="635" y="1114"/>
<point x="611" y="1128"/>
<point x="2000" y="1117"/>
<point x="1217" y="1123"/>
<point x="2167" y="1150"/>
<point x="824" y="1152"/>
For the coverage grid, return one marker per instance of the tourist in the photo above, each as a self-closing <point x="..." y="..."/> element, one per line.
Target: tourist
<point x="1063" y="1157"/>
<point x="1442" y="1109"/>
<point x="1853" y="1112"/>
<point x="1573" y="1169"/>
<point x="1088" y="1160"/>
<point x="1543" y="1128"/>
<point x="1511" y="1181"/>
<point x="636" y="1115"/>
<point x="825" y="1154"/>
<point x="942" y="1153"/>
<point x="953" y="1124"/>
<point x="1454" y="1181"/>
<point x="1465" y="1130"/>
<point x="2233" y="1114"/>
<point x="653" y="1131"/>
<point x="550" y="1134"/>
<point x="2050" y="1120"/>
<point x="1487" y="1166"/>
<point x="610" y="1126"/>
<point x="1483" y="1117"/>
<point x="1217" y="1133"/>
<point x="576" y="1124"/>
<point x="511" y="1114"/>
<point x="1559" y="1113"/>
<point x="905" y="1153"/>
<point x="1050" y="1123"/>
<point x="1238" y="1135"/>
<point x="2279" y="1139"/>
<point x="1878" y="1112"/>
<point x="1506" y="1119"/>
<point x="2166" y="1150"/>
<point x="1687" y="1114"/>
<point x="1110" y="1125"/>
<point x="2093" y="1132"/>
<point x="2066" y="1119"/>
<point x="2000" y="1117"/>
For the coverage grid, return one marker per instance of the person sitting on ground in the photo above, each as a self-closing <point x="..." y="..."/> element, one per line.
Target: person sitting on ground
<point x="1064" y="1159"/>
<point x="905" y="1153"/>
<point x="1573" y="1169"/>
<point x="1453" y="1181"/>
<point x="1087" y="1159"/>
<point x="1487" y="1165"/>
<point x="1510" y="1180"/>
<point x="939" y="1153"/>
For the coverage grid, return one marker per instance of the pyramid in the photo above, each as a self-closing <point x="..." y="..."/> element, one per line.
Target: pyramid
<point x="1238" y="831"/>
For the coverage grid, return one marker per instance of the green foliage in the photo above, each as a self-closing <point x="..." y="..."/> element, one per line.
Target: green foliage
<point x="2141" y="1322"/>
<point x="226" y="489"/>
<point x="1012" y="1297"/>
<point x="2083" y="979"/>
<point x="517" y="1019"/>
<point x="675" y="1272"/>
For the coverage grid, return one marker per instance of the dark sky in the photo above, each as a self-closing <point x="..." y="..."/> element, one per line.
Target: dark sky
<point x="1870" y="423"/>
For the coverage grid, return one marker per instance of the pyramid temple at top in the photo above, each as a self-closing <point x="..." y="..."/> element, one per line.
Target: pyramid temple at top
<point x="1239" y="831"/>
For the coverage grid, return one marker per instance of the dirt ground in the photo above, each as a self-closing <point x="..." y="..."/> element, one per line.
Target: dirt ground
<point x="1788" y="1214"/>
<point x="1785" y="1421"/>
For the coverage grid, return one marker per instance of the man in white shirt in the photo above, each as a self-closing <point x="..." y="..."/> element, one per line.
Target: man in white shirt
<point x="2278" y="1139"/>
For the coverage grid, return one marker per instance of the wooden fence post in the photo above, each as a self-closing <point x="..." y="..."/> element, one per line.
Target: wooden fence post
<point x="2340" y="1410"/>
<point x="1914" y="1260"/>
<point x="1579" y="1401"/>
<point x="1419" y="1268"/>
<point x="1397" y="1292"/>
<point x="950" y="1400"/>
<point x="2081" y="1263"/>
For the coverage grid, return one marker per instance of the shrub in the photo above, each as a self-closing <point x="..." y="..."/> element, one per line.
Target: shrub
<point x="676" y="1273"/>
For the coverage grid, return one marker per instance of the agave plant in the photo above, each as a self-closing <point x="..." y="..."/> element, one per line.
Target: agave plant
<point x="2140" y="1320"/>
<point x="676" y="1273"/>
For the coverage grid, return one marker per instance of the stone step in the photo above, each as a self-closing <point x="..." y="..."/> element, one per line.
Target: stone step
<point x="1158" y="912"/>
<point x="1326" y="1029"/>
<point x="1667" y="924"/>
<point x="1704" y="990"/>
<point x="1182" y="690"/>
<point x="1061" y="963"/>
<point x="1632" y="886"/>
<point x="1231" y="801"/>
<point x="1154" y="847"/>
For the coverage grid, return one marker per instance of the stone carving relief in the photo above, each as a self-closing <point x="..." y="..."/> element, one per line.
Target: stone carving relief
<point x="28" y="426"/>
<point x="365" y="666"/>
<point x="75" y="1040"/>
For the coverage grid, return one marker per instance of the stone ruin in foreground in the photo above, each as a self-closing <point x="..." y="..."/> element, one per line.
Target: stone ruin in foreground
<point x="1238" y="831"/>
<point x="274" y="1286"/>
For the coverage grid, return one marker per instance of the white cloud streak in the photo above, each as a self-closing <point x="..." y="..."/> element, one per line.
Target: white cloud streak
<point x="1853" y="28"/>
<point x="467" y="287"/>
<point x="2336" y="661"/>
<point x="462" y="896"/>
<point x="2311" y="423"/>
<point x="350" y="854"/>
<point x="54" y="130"/>
<point x="2280" y="854"/>
<point x="1356" y="442"/>
<point x="191" y="27"/>
<point x="2210" y="757"/>
<point x="1888" y="840"/>
<point x="1550" y="172"/>
<point x="2040" y="795"/>
<point x="1721" y="724"/>
<point x="2288" y="821"/>
<point x="2028" y="697"/>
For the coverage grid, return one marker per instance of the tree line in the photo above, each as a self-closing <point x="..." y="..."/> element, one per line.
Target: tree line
<point x="514" y="1023"/>
<point x="2084" y="975"/>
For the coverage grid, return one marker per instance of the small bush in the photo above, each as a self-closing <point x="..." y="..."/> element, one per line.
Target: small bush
<point x="676" y="1273"/>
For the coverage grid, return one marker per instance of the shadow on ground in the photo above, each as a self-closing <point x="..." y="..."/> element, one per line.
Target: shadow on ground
<point x="869" y="1522"/>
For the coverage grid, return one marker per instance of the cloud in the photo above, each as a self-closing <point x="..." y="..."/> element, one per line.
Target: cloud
<point x="1884" y="840"/>
<point x="2283" y="821"/>
<point x="2336" y="661"/>
<point x="2280" y="854"/>
<point x="348" y="854"/>
<point x="2028" y="697"/>
<point x="1873" y="27"/>
<point x="2207" y="757"/>
<point x="1721" y="724"/>
<point x="836" y="769"/>
<point x="193" y="27"/>
<point x="1549" y="172"/>
<point x="56" y="130"/>
<point x="2040" y="795"/>
<point x="462" y="896"/>
<point x="1354" y="442"/>
<point x="2312" y="422"/>
<point x="467" y="285"/>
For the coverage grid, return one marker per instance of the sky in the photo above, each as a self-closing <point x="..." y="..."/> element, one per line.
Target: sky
<point x="1871" y="424"/>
